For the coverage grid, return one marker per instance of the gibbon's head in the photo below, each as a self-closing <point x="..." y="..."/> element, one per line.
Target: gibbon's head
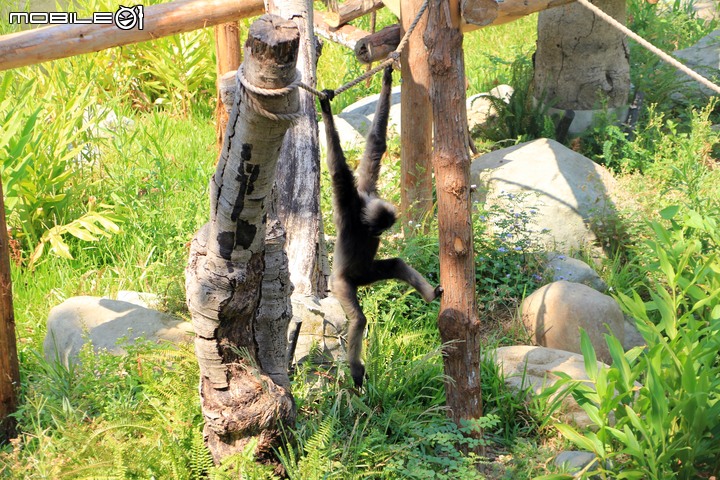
<point x="378" y="215"/>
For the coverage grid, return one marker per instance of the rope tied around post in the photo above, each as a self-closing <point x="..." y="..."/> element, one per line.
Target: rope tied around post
<point x="245" y="89"/>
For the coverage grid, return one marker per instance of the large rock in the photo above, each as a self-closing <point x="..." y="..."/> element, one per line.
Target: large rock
<point x="323" y="329"/>
<point x="555" y="313"/>
<point x="108" y="325"/>
<point x="703" y="57"/>
<point x="526" y="366"/>
<point x="569" y="193"/>
<point x="353" y="123"/>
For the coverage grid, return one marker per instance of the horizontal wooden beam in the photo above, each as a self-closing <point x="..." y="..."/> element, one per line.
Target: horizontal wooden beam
<point x="484" y="13"/>
<point x="60" y="41"/>
<point x="347" y="35"/>
<point x="350" y="10"/>
<point x="378" y="45"/>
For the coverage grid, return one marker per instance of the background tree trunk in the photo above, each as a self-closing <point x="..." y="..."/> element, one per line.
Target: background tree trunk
<point x="298" y="177"/>
<point x="581" y="61"/>
<point x="237" y="283"/>
<point x="9" y="370"/>
<point x="416" y="121"/>
<point x="458" y="321"/>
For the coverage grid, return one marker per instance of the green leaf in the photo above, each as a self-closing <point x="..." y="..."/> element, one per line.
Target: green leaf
<point x="588" y="355"/>
<point x="669" y="212"/>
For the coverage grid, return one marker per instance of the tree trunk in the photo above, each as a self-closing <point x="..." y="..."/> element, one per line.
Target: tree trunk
<point x="9" y="371"/>
<point x="229" y="57"/>
<point x="298" y="178"/>
<point x="416" y="121"/>
<point x="458" y="321"/>
<point x="581" y="62"/>
<point x="236" y="280"/>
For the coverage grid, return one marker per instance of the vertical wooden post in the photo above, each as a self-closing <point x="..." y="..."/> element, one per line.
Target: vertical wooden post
<point x="229" y="58"/>
<point x="415" y="122"/>
<point x="458" y="320"/>
<point x="298" y="177"/>
<point x="237" y="283"/>
<point x="9" y="370"/>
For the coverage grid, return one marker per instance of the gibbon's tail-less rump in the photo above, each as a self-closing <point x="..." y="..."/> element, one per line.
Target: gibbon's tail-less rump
<point x="360" y="217"/>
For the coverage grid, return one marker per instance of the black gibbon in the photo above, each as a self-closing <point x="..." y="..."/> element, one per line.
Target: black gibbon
<point x="360" y="217"/>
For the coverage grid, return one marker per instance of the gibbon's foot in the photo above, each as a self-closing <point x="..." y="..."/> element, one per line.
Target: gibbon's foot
<point x="357" y="372"/>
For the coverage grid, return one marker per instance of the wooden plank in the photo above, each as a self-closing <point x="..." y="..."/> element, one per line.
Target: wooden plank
<point x="347" y="35"/>
<point x="484" y="13"/>
<point x="350" y="10"/>
<point x="60" y="41"/>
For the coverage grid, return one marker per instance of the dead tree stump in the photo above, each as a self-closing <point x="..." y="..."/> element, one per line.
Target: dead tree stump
<point x="237" y="278"/>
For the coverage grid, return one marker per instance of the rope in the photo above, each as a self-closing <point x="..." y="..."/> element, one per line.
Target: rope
<point x="245" y="88"/>
<point x="663" y="56"/>
<point x="392" y="57"/>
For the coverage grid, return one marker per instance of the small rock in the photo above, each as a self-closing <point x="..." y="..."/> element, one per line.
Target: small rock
<point x="574" y="461"/>
<point x="323" y="329"/>
<point x="555" y="313"/>
<point x="107" y="324"/>
<point x="563" y="267"/>
<point x="526" y="366"/>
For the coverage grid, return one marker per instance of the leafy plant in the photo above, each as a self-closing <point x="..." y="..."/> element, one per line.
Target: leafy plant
<point x="508" y="263"/>
<point x="666" y="426"/>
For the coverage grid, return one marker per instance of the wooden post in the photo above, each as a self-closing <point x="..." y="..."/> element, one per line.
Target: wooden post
<point x="298" y="178"/>
<point x="60" y="41"/>
<point x="458" y="320"/>
<point x="378" y="45"/>
<point x="237" y="281"/>
<point x="416" y="121"/>
<point x="229" y="57"/>
<point x="9" y="370"/>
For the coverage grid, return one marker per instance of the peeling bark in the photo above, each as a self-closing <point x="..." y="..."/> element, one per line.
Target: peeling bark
<point x="298" y="178"/>
<point x="237" y="281"/>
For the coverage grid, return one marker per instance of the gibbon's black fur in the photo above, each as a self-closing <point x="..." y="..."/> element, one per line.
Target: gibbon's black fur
<point x="360" y="217"/>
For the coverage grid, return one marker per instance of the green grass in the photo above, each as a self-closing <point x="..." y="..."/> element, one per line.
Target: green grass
<point x="138" y="416"/>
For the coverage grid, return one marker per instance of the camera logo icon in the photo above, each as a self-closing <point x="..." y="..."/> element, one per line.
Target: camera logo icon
<point x="127" y="18"/>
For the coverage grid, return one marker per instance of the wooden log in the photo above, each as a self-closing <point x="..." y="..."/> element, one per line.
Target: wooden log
<point x="377" y="46"/>
<point x="237" y="282"/>
<point x="9" y="371"/>
<point x="298" y="177"/>
<point x="347" y="35"/>
<point x="458" y="320"/>
<point x="483" y="13"/>
<point x="60" y="41"/>
<point x="416" y="199"/>
<point x="350" y="10"/>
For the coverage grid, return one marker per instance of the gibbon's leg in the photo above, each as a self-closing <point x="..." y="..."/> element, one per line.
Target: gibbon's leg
<point x="396" y="268"/>
<point x="375" y="144"/>
<point x="347" y="294"/>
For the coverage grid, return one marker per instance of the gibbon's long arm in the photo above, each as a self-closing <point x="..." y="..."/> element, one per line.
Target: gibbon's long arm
<point x="376" y="144"/>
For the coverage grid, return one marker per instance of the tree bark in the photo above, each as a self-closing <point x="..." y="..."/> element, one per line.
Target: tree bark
<point x="229" y="57"/>
<point x="9" y="369"/>
<point x="581" y="62"/>
<point x="416" y="120"/>
<point x="236" y="280"/>
<point x="60" y="41"/>
<point x="458" y="321"/>
<point x="298" y="178"/>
